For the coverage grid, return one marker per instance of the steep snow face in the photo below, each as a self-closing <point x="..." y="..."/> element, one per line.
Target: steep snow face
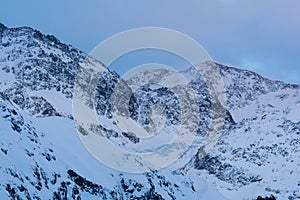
<point x="38" y="160"/>
<point x="257" y="153"/>
<point x="260" y="153"/>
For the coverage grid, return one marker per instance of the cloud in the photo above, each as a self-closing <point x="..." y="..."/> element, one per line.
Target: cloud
<point x="265" y="32"/>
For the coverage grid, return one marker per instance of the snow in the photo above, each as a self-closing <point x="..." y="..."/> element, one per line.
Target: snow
<point x="56" y="99"/>
<point x="7" y="79"/>
<point x="263" y="143"/>
<point x="60" y="135"/>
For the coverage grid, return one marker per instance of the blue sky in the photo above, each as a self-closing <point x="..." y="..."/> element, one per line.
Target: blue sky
<point x="262" y="36"/>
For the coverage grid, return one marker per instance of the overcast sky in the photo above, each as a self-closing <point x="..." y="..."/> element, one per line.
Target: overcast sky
<point x="263" y="36"/>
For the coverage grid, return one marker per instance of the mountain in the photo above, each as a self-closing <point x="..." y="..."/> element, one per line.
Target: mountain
<point x="42" y="156"/>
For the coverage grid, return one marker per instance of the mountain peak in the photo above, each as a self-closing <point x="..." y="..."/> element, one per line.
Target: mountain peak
<point x="2" y="27"/>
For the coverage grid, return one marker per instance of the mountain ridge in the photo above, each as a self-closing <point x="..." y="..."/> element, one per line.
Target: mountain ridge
<point x="36" y="67"/>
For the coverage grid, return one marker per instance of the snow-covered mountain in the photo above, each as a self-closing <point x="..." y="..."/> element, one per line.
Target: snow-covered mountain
<point x="42" y="156"/>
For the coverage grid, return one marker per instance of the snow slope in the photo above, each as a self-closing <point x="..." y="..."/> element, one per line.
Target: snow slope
<point x="42" y="157"/>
